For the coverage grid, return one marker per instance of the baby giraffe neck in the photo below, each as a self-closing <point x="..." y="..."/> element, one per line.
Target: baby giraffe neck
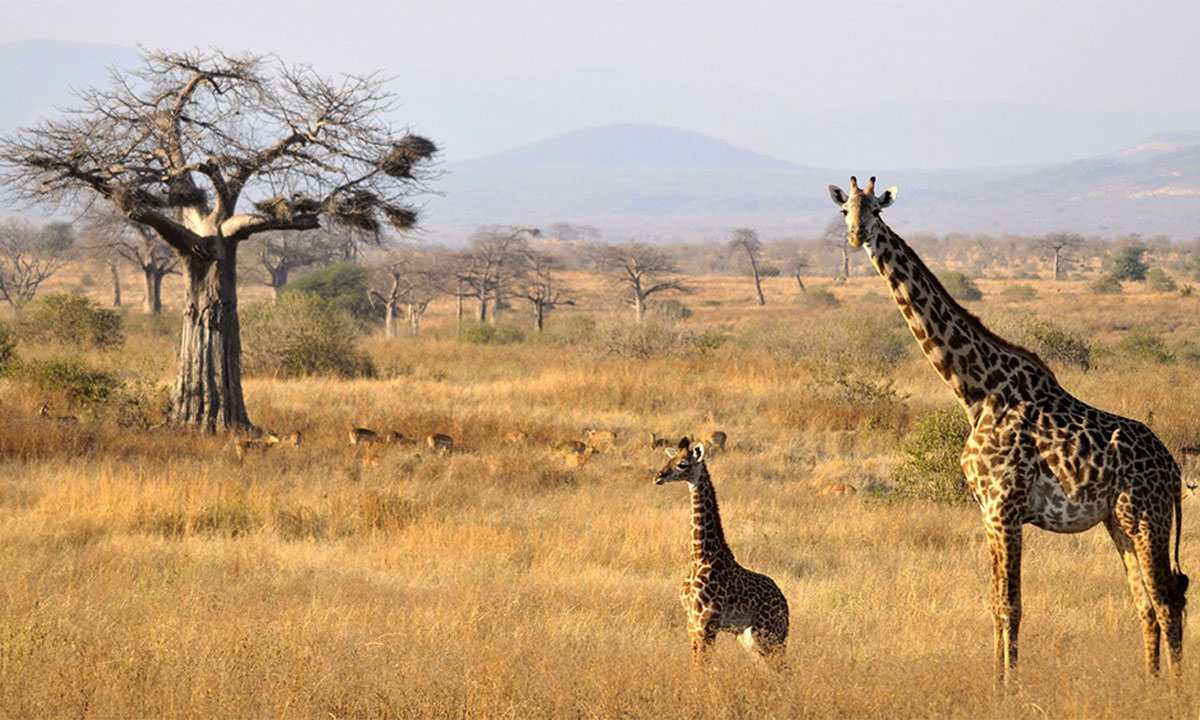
<point x="708" y="538"/>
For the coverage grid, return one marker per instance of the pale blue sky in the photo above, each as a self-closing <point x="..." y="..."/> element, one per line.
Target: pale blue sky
<point x="914" y="84"/>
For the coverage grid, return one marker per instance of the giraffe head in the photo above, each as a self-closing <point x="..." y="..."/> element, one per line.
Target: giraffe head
<point x="686" y="463"/>
<point x="861" y="208"/>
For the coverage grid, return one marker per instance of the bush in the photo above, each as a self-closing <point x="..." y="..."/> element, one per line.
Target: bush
<point x="572" y="329"/>
<point x="767" y="271"/>
<point x="709" y="341"/>
<point x="485" y="334"/>
<point x="645" y="340"/>
<point x="343" y="287"/>
<point x="1105" y="285"/>
<point x="1019" y="292"/>
<point x="301" y="334"/>
<point x="1144" y="345"/>
<point x="929" y="469"/>
<point x="960" y="286"/>
<point x="1128" y="263"/>
<point x="1050" y="341"/>
<point x="8" y="349"/>
<point x="74" y="320"/>
<point x="1159" y="281"/>
<point x="80" y="384"/>
<point x="671" y="310"/>
<point x="817" y="297"/>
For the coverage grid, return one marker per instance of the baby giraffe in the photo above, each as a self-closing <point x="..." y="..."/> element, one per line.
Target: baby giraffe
<point x="719" y="594"/>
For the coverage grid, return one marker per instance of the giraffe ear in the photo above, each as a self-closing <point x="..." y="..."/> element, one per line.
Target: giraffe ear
<point x="670" y="453"/>
<point x="836" y="194"/>
<point x="889" y="196"/>
<point x="698" y="452"/>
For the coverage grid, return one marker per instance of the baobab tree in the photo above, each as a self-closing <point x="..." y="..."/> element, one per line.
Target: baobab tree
<point x="279" y="253"/>
<point x="745" y="240"/>
<point x="486" y="269"/>
<point x="1061" y="245"/>
<point x="638" y="270"/>
<point x="210" y="149"/>
<point x="25" y="262"/>
<point x="112" y="236"/>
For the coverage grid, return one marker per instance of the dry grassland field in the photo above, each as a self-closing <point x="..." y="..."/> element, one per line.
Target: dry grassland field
<point x="153" y="574"/>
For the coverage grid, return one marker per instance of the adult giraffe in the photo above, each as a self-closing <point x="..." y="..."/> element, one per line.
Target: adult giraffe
<point x="1036" y="454"/>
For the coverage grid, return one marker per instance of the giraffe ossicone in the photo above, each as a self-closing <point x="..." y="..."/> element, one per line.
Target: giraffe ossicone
<point x="1036" y="454"/>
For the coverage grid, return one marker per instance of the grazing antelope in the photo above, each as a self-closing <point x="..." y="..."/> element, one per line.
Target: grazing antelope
<point x="714" y="440"/>
<point x="838" y="489"/>
<point x="245" y="445"/>
<point x="363" y="436"/>
<point x="516" y="437"/>
<point x="294" y="438"/>
<point x="719" y="594"/>
<point x="571" y="446"/>
<point x="577" y="459"/>
<point x="398" y="438"/>
<point x="658" y="442"/>
<point x="45" y="412"/>
<point x="441" y="442"/>
<point x="601" y="438"/>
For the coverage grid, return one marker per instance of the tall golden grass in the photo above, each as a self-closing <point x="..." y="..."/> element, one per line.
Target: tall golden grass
<point x="153" y="575"/>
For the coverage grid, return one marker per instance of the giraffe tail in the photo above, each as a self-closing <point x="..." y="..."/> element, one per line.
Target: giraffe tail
<point x="1181" y="580"/>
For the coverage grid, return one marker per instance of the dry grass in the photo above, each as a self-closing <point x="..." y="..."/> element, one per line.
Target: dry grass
<point x="154" y="575"/>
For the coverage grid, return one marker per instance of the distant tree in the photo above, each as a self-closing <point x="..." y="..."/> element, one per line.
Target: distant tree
<point x="58" y="238"/>
<point x="572" y="231"/>
<point x="745" y="240"/>
<point x="25" y="262"/>
<point x="799" y="264"/>
<point x="638" y="271"/>
<point x="1128" y="263"/>
<point x="112" y="236"/>
<point x="343" y="287"/>
<point x="487" y="267"/>
<point x="280" y="253"/>
<point x="406" y="278"/>
<point x="534" y="283"/>
<point x="1062" y="246"/>
<point x="835" y="237"/>
<point x="187" y="144"/>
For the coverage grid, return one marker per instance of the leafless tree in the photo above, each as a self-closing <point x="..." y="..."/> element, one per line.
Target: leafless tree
<point x="486" y="269"/>
<point x="745" y="240"/>
<point x="410" y="278"/>
<point x="834" y="237"/>
<point x="534" y="283"/>
<point x="279" y="253"/>
<point x="799" y="264"/>
<point x="1062" y="245"/>
<point x="186" y="144"/>
<point x="112" y="236"/>
<point x="25" y="262"/>
<point x="638" y="271"/>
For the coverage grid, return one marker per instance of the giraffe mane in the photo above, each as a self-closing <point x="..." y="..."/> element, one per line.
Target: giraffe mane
<point x="972" y="319"/>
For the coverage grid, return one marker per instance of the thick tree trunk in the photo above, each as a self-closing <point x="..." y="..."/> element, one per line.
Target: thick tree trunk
<point x="846" y="261"/>
<point x="208" y="388"/>
<point x="152" y="280"/>
<point x="639" y="304"/>
<point x="279" y="278"/>
<point x="116" y="283"/>
<point x="389" y="319"/>
<point x="482" y="315"/>
<point x="757" y="281"/>
<point x="539" y="312"/>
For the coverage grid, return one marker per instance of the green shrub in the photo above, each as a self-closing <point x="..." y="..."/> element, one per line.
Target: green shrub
<point x="74" y="320"/>
<point x="1020" y="291"/>
<point x="960" y="286"/>
<point x="1186" y="291"/>
<point x="671" y="310"/>
<point x="929" y="468"/>
<point x="80" y="384"/>
<point x="1159" y="281"/>
<point x="817" y="297"/>
<point x="767" y="271"/>
<point x="8" y="349"/>
<point x="485" y="334"/>
<point x="301" y="334"/>
<point x="1128" y="263"/>
<point x="343" y="287"/>
<point x="1144" y="345"/>
<point x="1105" y="285"/>
<point x="1050" y="341"/>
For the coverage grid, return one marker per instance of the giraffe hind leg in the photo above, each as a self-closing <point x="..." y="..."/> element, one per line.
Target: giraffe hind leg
<point x="765" y="644"/>
<point x="1137" y="588"/>
<point x="1162" y="585"/>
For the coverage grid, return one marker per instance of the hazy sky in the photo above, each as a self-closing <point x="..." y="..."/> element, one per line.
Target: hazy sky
<point x="835" y="83"/>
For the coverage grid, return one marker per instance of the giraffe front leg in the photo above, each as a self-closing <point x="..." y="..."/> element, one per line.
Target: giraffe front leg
<point x="703" y="634"/>
<point x="1137" y="588"/>
<point x="1004" y="542"/>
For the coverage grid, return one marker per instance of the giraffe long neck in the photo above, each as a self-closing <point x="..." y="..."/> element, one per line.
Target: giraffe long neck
<point x="708" y="538"/>
<point x="972" y="360"/>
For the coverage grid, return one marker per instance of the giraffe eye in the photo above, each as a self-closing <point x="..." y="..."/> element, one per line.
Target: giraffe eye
<point x="845" y="212"/>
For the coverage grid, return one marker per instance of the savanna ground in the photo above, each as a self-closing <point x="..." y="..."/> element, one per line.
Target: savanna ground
<point x="151" y="574"/>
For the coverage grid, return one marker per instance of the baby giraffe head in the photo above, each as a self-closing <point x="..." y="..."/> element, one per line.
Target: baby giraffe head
<point x="686" y="463"/>
<point x="861" y="208"/>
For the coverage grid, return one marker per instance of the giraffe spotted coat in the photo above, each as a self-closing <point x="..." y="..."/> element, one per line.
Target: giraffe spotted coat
<point x="719" y="594"/>
<point x="1036" y="454"/>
